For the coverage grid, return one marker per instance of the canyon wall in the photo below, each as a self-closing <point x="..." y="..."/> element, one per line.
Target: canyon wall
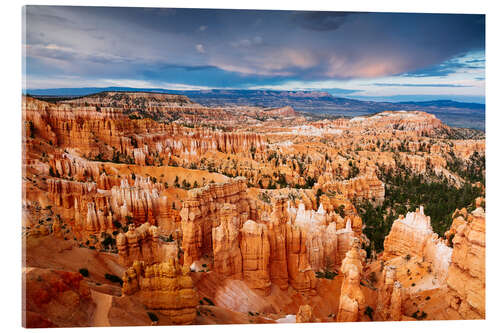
<point x="413" y="235"/>
<point x="466" y="275"/>
<point x="352" y="303"/>
<point x="166" y="287"/>
<point x="201" y="213"/>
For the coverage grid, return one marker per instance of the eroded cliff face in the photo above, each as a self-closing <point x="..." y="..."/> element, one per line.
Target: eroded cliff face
<point x="56" y="299"/>
<point x="201" y="213"/>
<point x="278" y="266"/>
<point x="305" y="314"/>
<point x="466" y="275"/>
<point x="144" y="244"/>
<point x="258" y="203"/>
<point x="255" y="252"/>
<point x="166" y="287"/>
<point x="367" y="186"/>
<point x="352" y="302"/>
<point x="413" y="236"/>
<point x="389" y="297"/>
<point x="225" y="240"/>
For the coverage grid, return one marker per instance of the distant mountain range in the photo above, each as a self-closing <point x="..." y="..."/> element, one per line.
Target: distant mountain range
<point x="457" y="114"/>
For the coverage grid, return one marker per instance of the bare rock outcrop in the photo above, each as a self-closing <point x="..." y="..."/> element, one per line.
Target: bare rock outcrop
<point x="56" y="299"/>
<point x="255" y="252"/>
<point x="305" y="314"/>
<point x="366" y="186"/>
<point x="277" y="242"/>
<point x="201" y="212"/>
<point x="300" y="274"/>
<point x="466" y="275"/>
<point x="413" y="235"/>
<point x="352" y="302"/>
<point x="139" y="244"/>
<point x="166" y="287"/>
<point x="389" y="298"/>
<point x="225" y="240"/>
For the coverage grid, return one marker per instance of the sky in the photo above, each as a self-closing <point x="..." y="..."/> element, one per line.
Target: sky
<point x="370" y="56"/>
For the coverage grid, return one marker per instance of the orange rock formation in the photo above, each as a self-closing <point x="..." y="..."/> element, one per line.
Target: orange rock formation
<point x="466" y="276"/>
<point x="165" y="287"/>
<point x="352" y="302"/>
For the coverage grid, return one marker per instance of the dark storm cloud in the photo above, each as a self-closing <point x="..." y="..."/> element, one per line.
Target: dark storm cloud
<point x="321" y="21"/>
<point x="245" y="47"/>
<point x="447" y="67"/>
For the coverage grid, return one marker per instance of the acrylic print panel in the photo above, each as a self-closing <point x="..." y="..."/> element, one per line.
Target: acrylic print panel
<point x="196" y="166"/>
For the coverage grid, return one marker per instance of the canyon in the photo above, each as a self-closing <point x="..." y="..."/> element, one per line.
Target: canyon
<point x="150" y="209"/>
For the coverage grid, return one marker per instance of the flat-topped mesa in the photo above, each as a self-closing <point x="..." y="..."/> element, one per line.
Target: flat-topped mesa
<point x="389" y="297"/>
<point x="201" y="212"/>
<point x="165" y="287"/>
<point x="255" y="252"/>
<point x="409" y="121"/>
<point x="466" y="275"/>
<point x="286" y="111"/>
<point x="108" y="132"/>
<point x="129" y="99"/>
<point x="413" y="235"/>
<point x="352" y="303"/>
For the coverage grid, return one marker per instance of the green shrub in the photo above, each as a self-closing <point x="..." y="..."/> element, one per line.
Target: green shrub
<point x="153" y="317"/>
<point x="208" y="300"/>
<point x="84" y="272"/>
<point x="113" y="278"/>
<point x="369" y="312"/>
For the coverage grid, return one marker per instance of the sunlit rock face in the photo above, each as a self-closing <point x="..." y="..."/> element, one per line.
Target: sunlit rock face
<point x="305" y="314"/>
<point x="415" y="121"/>
<point x="144" y="244"/>
<point x="202" y="210"/>
<point x="389" y="297"/>
<point x="225" y="240"/>
<point x="166" y="287"/>
<point x="56" y="299"/>
<point x="466" y="275"/>
<point x="255" y="252"/>
<point x="352" y="302"/>
<point x="277" y="243"/>
<point x="366" y="186"/>
<point x="259" y="203"/>
<point x="413" y="235"/>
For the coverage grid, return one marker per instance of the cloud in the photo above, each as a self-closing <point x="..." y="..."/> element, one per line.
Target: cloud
<point x="247" y="47"/>
<point x="320" y="21"/>
<point x="451" y="66"/>
<point x="200" y="48"/>
<point x="434" y="85"/>
<point x="257" y="40"/>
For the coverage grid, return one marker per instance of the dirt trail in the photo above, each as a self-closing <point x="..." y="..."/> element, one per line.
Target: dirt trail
<point x="103" y="302"/>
